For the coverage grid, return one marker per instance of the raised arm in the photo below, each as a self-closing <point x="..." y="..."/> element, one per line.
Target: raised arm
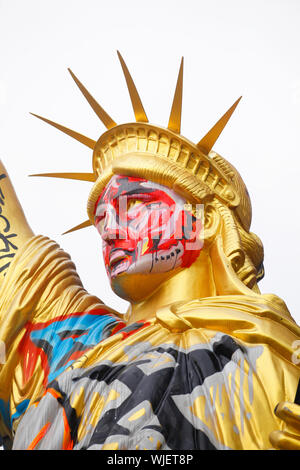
<point x="14" y="228"/>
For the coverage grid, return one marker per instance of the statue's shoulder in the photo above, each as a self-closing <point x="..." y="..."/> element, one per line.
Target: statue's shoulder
<point x="252" y="303"/>
<point x="229" y="311"/>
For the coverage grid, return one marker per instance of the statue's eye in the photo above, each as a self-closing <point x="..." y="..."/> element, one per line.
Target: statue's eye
<point x="133" y="203"/>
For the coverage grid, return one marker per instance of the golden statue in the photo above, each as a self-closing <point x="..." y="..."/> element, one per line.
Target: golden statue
<point x="202" y="359"/>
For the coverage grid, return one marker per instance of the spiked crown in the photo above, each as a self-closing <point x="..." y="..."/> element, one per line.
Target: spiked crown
<point x="158" y="154"/>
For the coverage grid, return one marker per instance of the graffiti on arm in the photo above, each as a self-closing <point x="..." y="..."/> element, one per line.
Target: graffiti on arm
<point x="7" y="247"/>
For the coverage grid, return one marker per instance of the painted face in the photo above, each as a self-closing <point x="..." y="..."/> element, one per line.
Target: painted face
<point x="145" y="227"/>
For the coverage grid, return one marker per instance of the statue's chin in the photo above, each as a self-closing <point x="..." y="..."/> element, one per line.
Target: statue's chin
<point x="136" y="287"/>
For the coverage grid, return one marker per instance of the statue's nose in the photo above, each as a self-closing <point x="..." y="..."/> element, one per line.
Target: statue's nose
<point x="112" y="228"/>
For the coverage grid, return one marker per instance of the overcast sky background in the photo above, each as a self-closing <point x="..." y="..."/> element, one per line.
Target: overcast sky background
<point x="231" y="48"/>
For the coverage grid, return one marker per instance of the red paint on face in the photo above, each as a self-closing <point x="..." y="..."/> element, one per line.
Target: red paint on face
<point x="144" y="227"/>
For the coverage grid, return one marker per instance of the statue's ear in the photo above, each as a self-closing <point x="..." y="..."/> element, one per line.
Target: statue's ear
<point x="212" y="221"/>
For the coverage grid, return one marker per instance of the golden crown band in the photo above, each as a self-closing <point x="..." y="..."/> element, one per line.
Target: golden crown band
<point x="160" y="155"/>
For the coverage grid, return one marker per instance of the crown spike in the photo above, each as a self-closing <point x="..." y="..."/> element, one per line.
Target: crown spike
<point x="175" y="115"/>
<point x="139" y="112"/>
<point x="102" y="115"/>
<point x="73" y="176"/>
<point x="208" y="141"/>
<point x="81" y="138"/>
<point x="86" y="223"/>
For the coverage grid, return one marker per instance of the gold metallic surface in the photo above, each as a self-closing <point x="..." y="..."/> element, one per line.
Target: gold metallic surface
<point x="101" y="113"/>
<point x="72" y="176"/>
<point x="261" y="323"/>
<point x="86" y="223"/>
<point x="198" y="174"/>
<point x="143" y="139"/>
<point x="183" y="285"/>
<point x="289" y="437"/>
<point x="137" y="105"/>
<point x="173" y="155"/>
<point x="175" y="115"/>
<point x="238" y="413"/>
<point x="191" y="307"/>
<point x="14" y="228"/>
<point x="41" y="285"/>
<point x="208" y="141"/>
<point x="81" y="138"/>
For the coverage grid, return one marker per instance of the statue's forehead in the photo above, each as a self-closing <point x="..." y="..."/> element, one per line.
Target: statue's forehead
<point x="120" y="185"/>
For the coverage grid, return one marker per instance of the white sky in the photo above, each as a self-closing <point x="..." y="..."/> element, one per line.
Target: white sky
<point x="231" y="48"/>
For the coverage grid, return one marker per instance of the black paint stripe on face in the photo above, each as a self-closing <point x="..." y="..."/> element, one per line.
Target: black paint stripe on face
<point x="127" y="187"/>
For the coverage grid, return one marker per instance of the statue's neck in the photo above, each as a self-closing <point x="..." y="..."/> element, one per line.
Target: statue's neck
<point x="190" y="283"/>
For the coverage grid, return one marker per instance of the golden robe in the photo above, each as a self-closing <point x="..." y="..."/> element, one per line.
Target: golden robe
<point x="204" y="374"/>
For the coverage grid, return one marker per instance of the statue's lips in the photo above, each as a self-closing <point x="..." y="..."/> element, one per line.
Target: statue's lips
<point x="116" y="257"/>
